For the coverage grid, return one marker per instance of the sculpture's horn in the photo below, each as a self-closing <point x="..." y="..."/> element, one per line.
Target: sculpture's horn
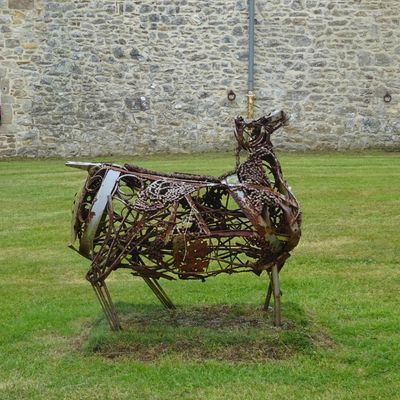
<point x="86" y="166"/>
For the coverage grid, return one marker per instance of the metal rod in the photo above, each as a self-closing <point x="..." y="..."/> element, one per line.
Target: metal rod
<point x="105" y="310"/>
<point x="277" y="295"/>
<point x="157" y="290"/>
<point x="104" y="298"/>
<point x="117" y="324"/>
<point x="154" y="290"/>
<point x="158" y="293"/>
<point x="170" y="303"/>
<point x="280" y="265"/>
<point x="269" y="293"/>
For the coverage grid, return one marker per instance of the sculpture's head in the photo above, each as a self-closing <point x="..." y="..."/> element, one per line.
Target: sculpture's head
<point x="253" y="135"/>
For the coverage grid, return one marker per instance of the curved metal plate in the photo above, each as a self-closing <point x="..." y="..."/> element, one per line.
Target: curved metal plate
<point x="96" y="212"/>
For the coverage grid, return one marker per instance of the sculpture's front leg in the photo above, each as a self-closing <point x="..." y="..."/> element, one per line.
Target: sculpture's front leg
<point x="274" y="289"/>
<point x="103" y="295"/>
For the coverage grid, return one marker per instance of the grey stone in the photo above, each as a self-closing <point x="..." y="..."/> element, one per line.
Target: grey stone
<point x="5" y="28"/>
<point x="12" y="43"/>
<point x="198" y="57"/>
<point x="237" y="31"/>
<point x="7" y="114"/>
<point x="66" y="67"/>
<point x="136" y="54"/>
<point x="154" y="18"/>
<point x="30" y="135"/>
<point x="109" y="8"/>
<point x="179" y="20"/>
<point x="228" y="39"/>
<point x="371" y="125"/>
<point x="338" y="22"/>
<point x="145" y="8"/>
<point x="243" y="55"/>
<point x="137" y="103"/>
<point x="240" y="5"/>
<point x="299" y="66"/>
<point x="26" y="151"/>
<point x="383" y="59"/>
<point x="118" y="52"/>
<point x="364" y="58"/>
<point x="297" y="95"/>
<point x="99" y="21"/>
<point x="319" y="64"/>
<point x="300" y="41"/>
<point x="5" y="19"/>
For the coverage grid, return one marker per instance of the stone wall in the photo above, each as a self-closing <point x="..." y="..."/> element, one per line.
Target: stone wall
<point x="82" y="77"/>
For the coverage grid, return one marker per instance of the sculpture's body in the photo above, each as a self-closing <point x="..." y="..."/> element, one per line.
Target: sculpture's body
<point x="188" y="226"/>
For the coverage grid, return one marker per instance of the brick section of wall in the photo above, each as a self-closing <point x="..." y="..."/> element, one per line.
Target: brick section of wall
<point x="100" y="77"/>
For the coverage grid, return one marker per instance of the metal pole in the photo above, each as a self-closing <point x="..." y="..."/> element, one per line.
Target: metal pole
<point x="250" y="68"/>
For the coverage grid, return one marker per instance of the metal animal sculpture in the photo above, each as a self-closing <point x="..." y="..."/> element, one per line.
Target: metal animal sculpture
<point x="187" y="226"/>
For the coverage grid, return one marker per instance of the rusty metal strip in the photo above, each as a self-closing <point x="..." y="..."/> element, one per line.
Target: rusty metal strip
<point x="202" y="224"/>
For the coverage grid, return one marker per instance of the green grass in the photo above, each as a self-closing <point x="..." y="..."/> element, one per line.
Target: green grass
<point x="341" y="287"/>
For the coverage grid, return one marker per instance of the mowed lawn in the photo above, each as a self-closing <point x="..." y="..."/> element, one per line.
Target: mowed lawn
<point x="341" y="291"/>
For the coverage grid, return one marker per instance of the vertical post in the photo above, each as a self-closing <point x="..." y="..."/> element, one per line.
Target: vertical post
<point x="250" y="68"/>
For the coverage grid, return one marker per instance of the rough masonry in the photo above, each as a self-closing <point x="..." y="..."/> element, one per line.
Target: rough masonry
<point x="84" y="78"/>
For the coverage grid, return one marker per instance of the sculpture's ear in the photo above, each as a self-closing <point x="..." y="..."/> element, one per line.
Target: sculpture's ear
<point x="239" y="121"/>
<point x="239" y="128"/>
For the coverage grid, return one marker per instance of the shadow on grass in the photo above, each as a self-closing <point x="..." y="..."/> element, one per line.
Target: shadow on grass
<point x="239" y="332"/>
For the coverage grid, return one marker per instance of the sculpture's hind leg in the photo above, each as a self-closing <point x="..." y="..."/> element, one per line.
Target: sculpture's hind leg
<point x="269" y="293"/>
<point x="104" y="298"/>
<point x="159" y="292"/>
<point x="276" y="290"/>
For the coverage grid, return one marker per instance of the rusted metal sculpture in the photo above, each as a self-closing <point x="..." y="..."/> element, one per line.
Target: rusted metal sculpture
<point x="187" y="226"/>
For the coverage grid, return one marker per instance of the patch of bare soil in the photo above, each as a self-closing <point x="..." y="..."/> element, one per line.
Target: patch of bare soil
<point x="232" y="333"/>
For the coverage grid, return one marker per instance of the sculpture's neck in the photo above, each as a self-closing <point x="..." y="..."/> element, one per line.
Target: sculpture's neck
<point x="262" y="167"/>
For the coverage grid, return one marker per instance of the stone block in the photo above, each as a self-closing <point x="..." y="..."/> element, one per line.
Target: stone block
<point x="364" y="58"/>
<point x="300" y="41"/>
<point x="21" y="4"/>
<point x="118" y="52"/>
<point x="6" y="114"/>
<point x="12" y="43"/>
<point x="137" y="103"/>
<point x="383" y="59"/>
<point x="29" y="45"/>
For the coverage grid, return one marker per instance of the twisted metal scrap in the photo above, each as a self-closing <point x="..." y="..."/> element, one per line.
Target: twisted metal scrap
<point x="187" y="226"/>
